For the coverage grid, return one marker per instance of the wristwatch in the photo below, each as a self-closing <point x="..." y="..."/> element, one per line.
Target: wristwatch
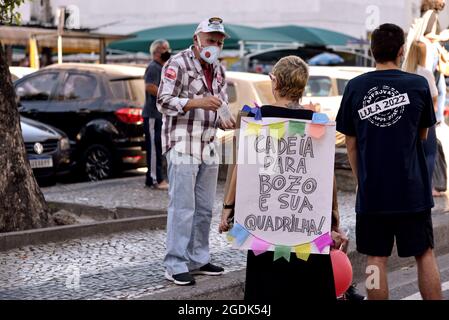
<point x="228" y="206"/>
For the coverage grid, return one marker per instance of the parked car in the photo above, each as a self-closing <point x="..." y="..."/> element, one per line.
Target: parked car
<point x="325" y="88"/>
<point x="48" y="150"/>
<point x="20" y="72"/>
<point x="98" y="106"/>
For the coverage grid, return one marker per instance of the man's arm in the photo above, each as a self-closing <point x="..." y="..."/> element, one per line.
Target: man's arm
<point x="152" y="89"/>
<point x="351" y="146"/>
<point x="423" y="133"/>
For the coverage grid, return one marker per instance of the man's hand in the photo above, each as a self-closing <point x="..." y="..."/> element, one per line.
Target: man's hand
<point x="207" y="103"/>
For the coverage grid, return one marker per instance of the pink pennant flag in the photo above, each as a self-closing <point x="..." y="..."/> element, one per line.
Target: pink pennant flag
<point x="323" y="241"/>
<point x="316" y="130"/>
<point x="259" y="246"/>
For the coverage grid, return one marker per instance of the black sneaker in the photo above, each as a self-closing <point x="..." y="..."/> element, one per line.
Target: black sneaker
<point x="209" y="270"/>
<point x="181" y="279"/>
<point x="353" y="294"/>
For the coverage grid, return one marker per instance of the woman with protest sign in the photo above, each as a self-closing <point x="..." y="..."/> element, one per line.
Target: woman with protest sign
<point x="275" y="280"/>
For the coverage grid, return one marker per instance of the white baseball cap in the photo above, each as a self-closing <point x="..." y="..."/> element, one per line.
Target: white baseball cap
<point x="214" y="24"/>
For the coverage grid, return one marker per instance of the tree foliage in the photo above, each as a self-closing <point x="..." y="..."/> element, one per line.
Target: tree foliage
<point x="8" y="15"/>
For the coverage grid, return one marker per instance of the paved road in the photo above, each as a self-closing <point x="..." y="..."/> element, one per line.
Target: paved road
<point x="404" y="286"/>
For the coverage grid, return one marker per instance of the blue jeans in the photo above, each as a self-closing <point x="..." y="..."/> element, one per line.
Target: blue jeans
<point x="192" y="191"/>
<point x="153" y="146"/>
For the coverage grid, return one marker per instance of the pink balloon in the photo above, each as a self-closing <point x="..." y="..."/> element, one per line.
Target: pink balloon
<point x="342" y="271"/>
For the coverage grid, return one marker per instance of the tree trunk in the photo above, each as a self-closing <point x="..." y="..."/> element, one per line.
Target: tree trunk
<point x="22" y="204"/>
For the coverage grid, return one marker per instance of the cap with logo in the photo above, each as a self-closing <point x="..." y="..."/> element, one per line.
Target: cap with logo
<point x="214" y="24"/>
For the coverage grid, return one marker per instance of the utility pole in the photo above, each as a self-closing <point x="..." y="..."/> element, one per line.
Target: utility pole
<point x="61" y="24"/>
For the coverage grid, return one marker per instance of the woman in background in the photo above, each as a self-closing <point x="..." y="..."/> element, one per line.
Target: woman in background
<point x="416" y="63"/>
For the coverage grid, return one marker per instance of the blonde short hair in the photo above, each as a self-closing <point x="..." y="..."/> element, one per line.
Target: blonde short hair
<point x="292" y="74"/>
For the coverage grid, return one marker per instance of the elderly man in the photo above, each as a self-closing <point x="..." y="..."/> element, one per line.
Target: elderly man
<point x="192" y="98"/>
<point x="160" y="53"/>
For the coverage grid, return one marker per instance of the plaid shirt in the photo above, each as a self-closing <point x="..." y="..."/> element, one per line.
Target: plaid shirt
<point x="183" y="79"/>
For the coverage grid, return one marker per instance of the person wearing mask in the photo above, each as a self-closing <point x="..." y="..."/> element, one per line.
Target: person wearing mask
<point x="160" y="53"/>
<point x="193" y="101"/>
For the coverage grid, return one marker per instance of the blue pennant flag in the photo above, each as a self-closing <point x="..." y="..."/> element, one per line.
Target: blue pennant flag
<point x="320" y="118"/>
<point x="239" y="233"/>
<point x="256" y="111"/>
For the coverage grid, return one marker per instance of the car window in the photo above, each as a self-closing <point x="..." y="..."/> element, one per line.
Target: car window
<point x="265" y="92"/>
<point x="341" y="84"/>
<point x="129" y="89"/>
<point x="80" y="87"/>
<point x="318" y="86"/>
<point x="231" y="91"/>
<point x="37" y="88"/>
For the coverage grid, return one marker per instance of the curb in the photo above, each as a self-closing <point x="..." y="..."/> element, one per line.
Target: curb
<point x="231" y="285"/>
<point x="101" y="213"/>
<point x="12" y="240"/>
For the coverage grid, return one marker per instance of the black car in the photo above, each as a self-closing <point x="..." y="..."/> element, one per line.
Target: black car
<point x="98" y="106"/>
<point x="48" y="150"/>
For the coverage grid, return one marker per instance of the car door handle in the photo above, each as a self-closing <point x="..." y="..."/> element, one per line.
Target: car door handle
<point x="33" y="110"/>
<point x="84" y="110"/>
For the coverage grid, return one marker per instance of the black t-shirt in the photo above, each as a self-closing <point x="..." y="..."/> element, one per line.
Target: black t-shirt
<point x="280" y="112"/>
<point x="384" y="110"/>
<point x="152" y="76"/>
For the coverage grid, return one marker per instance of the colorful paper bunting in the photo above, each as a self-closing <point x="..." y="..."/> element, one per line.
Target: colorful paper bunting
<point x="320" y="118"/>
<point x="259" y="246"/>
<point x="323" y="241"/>
<point x="316" y="131"/>
<point x="253" y="129"/>
<point x="282" y="252"/>
<point x="277" y="130"/>
<point x="303" y="251"/>
<point x="239" y="233"/>
<point x="295" y="127"/>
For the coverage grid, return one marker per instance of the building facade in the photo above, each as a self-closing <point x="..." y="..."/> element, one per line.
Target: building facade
<point x="353" y="17"/>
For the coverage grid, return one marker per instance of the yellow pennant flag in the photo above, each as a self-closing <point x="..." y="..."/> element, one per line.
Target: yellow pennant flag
<point x="277" y="130"/>
<point x="253" y="129"/>
<point x="303" y="251"/>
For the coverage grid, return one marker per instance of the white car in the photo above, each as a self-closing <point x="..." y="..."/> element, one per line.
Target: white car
<point x="19" y="72"/>
<point x="325" y="88"/>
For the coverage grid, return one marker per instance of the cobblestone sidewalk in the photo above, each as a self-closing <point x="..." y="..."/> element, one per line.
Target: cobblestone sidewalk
<point x="121" y="266"/>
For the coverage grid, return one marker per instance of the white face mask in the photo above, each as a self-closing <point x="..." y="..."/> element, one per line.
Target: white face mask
<point x="209" y="54"/>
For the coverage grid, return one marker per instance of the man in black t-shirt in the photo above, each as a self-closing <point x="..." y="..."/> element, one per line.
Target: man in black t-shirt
<point x="160" y="52"/>
<point x="385" y="115"/>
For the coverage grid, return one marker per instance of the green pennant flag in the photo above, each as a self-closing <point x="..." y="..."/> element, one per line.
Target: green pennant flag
<point x="282" y="252"/>
<point x="295" y="127"/>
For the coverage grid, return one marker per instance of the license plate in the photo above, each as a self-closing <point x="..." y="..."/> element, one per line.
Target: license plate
<point x="41" y="163"/>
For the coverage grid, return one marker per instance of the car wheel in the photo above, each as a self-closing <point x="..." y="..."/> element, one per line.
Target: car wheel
<point x="98" y="163"/>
